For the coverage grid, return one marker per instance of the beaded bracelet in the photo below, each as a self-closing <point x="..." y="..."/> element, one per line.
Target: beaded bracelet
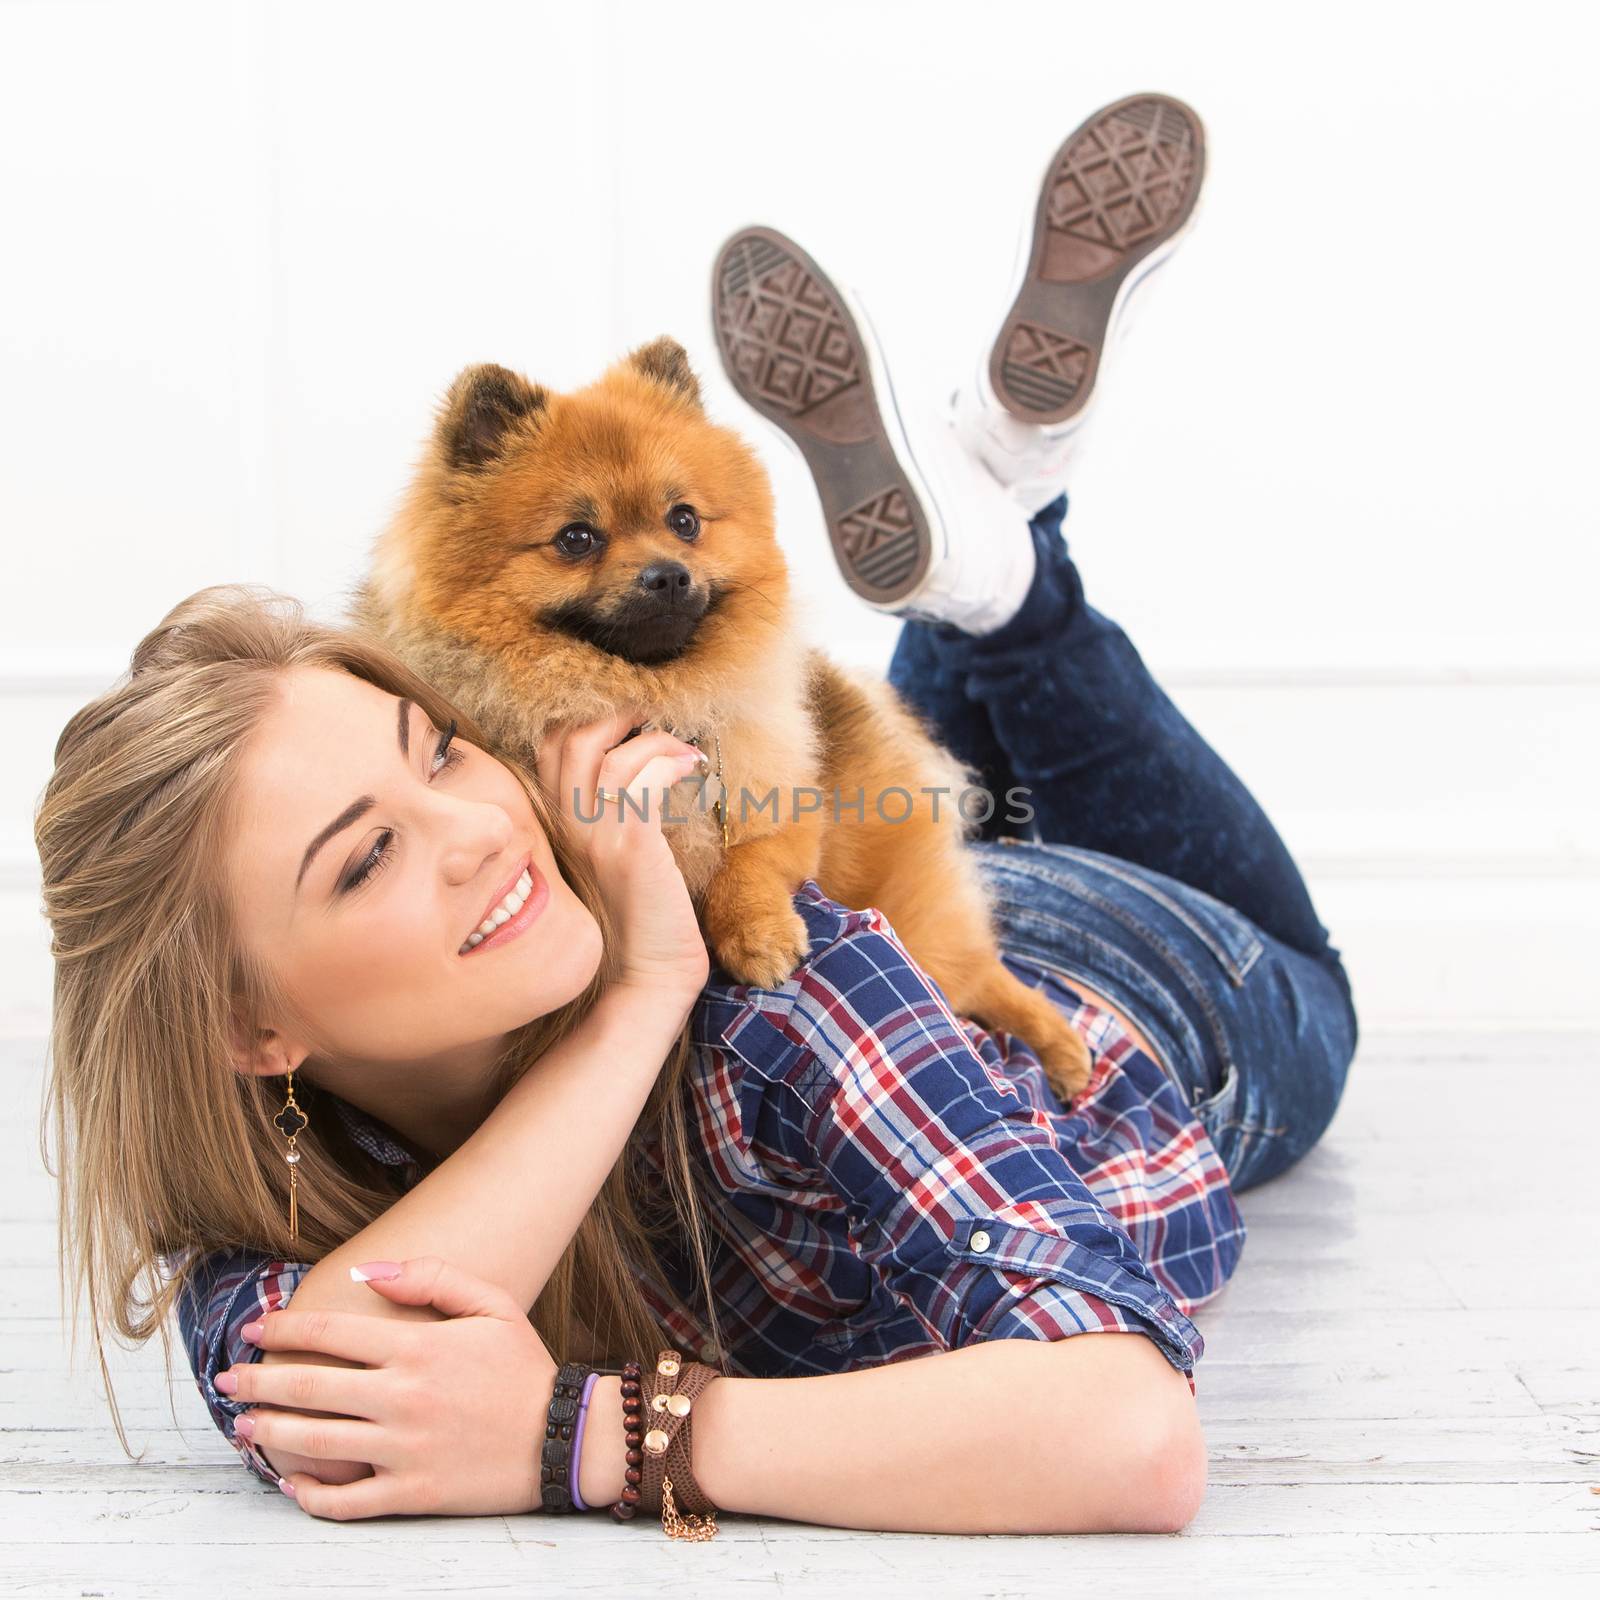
<point x="633" y="1440"/>
<point x="555" y="1455"/>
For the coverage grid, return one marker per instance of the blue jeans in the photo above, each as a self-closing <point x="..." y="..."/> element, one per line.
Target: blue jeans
<point x="1148" y="869"/>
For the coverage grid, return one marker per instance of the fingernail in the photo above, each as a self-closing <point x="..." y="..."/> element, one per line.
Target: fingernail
<point x="381" y="1270"/>
<point x="251" y="1333"/>
<point x="227" y="1383"/>
<point x="245" y="1427"/>
<point x="287" y="1487"/>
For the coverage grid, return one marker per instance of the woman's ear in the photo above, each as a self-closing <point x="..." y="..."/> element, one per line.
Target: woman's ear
<point x="263" y="1052"/>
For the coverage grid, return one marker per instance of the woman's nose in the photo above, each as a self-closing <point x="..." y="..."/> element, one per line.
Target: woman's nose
<point x="474" y="832"/>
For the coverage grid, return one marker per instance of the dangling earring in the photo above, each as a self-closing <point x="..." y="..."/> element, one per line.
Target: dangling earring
<point x="290" y="1120"/>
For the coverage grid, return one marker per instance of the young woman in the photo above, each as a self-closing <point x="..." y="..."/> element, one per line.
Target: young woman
<point x="266" y="858"/>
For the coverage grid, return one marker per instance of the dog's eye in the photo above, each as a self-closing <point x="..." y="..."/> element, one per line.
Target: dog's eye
<point x="576" y="539"/>
<point x="684" y="521"/>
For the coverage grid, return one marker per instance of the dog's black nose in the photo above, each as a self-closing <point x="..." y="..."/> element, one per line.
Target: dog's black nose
<point x="666" y="580"/>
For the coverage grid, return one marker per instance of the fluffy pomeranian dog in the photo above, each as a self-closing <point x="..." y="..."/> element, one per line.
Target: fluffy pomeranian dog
<point x="560" y="556"/>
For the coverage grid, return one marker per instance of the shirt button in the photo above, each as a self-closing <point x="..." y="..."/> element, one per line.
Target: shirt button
<point x="981" y="1241"/>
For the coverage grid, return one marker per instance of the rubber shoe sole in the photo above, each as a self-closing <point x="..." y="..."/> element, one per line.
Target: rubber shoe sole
<point x="799" y="350"/>
<point x="1116" y="195"/>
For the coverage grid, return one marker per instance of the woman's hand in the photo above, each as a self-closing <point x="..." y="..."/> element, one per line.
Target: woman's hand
<point x="663" y="950"/>
<point x="450" y="1414"/>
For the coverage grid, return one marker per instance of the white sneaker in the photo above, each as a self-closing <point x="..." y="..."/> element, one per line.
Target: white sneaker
<point x="1116" y="199"/>
<point x="930" y="534"/>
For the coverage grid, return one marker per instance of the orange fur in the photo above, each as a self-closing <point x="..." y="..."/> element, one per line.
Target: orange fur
<point x="467" y="586"/>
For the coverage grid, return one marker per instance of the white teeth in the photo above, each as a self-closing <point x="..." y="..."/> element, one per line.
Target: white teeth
<point x="502" y="913"/>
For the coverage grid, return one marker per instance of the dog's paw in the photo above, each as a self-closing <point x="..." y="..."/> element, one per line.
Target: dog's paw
<point x="761" y="947"/>
<point x="1067" y="1063"/>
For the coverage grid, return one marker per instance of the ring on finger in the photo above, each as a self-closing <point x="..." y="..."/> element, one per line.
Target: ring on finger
<point x="605" y="795"/>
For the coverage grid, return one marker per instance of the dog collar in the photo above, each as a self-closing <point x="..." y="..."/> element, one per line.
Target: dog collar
<point x="720" y="804"/>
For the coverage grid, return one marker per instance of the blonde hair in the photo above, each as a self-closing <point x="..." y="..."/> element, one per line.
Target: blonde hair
<point x="166" y="1152"/>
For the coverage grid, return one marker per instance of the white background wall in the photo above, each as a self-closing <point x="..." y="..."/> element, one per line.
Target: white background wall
<point x="1341" y="489"/>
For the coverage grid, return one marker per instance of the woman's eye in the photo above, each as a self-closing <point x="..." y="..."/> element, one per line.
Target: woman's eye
<point x="377" y="858"/>
<point x="372" y="863"/>
<point x="443" y="754"/>
<point x="684" y="521"/>
<point x="577" y="539"/>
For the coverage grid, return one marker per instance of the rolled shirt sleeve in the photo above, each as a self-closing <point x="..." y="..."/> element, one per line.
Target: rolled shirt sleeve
<point x="222" y="1292"/>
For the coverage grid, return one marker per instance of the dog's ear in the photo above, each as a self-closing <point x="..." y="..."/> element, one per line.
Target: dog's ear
<point x="482" y="404"/>
<point x="667" y="362"/>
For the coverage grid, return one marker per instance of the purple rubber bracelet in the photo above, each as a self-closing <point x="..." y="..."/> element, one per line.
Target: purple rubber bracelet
<point x="577" y="1441"/>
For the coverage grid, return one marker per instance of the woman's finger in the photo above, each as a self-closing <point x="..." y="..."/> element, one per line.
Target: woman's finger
<point x="595" y="738"/>
<point x="582" y="746"/>
<point x="614" y="769"/>
<point x="350" y="1335"/>
<point x="379" y="1495"/>
<point x="560" y="739"/>
<point x="433" y="1281"/>
<point x="325" y="1438"/>
<point x="643" y="797"/>
<point x="304" y="1386"/>
<point x="620" y="767"/>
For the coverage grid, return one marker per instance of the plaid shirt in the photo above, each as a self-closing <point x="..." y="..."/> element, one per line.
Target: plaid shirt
<point x="884" y="1180"/>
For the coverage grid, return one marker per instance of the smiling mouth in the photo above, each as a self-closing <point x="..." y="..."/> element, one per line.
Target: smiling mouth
<point x="514" y="911"/>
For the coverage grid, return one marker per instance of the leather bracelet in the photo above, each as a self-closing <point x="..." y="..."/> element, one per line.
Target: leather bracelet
<point x="555" y="1456"/>
<point x="670" y="1390"/>
<point x="690" y="1499"/>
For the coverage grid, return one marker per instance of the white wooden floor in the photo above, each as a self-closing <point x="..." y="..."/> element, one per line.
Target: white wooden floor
<point x="1401" y="1390"/>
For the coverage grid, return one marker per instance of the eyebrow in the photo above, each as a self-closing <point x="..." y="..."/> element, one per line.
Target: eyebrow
<point x="362" y="804"/>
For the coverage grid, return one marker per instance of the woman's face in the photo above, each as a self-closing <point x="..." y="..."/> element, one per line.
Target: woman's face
<point x="364" y="859"/>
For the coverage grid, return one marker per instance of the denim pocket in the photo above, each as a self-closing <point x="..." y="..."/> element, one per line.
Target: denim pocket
<point x="1043" y="941"/>
<point x="1171" y="955"/>
<point x="1215" y="1111"/>
<point x="1229" y="935"/>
